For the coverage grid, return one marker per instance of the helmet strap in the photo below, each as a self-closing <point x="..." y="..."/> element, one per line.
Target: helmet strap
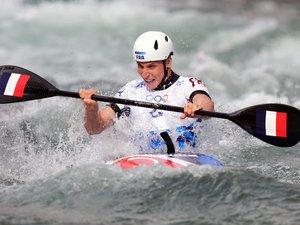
<point x="162" y="83"/>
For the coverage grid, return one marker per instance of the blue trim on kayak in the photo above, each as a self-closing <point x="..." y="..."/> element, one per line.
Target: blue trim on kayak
<point x="209" y="160"/>
<point x="199" y="159"/>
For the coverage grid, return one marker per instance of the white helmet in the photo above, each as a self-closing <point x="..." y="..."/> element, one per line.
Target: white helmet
<point x="152" y="46"/>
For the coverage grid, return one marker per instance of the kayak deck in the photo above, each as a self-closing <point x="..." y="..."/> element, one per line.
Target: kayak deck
<point x="175" y="161"/>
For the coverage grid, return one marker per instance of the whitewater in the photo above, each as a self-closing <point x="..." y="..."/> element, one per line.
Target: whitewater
<point x="53" y="172"/>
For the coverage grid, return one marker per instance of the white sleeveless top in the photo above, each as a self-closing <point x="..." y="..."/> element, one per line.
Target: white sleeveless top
<point x="144" y="125"/>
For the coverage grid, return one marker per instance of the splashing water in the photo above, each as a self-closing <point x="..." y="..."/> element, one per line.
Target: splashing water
<point x="52" y="172"/>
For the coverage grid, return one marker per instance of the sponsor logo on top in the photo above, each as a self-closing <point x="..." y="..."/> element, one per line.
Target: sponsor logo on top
<point x="196" y="81"/>
<point x="157" y="98"/>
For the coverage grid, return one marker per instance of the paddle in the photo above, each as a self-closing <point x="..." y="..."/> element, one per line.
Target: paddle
<point x="276" y="124"/>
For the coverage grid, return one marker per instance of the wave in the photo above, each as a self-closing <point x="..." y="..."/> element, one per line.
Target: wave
<point x="99" y="195"/>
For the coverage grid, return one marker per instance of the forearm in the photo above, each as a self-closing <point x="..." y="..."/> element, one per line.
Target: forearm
<point x="208" y="105"/>
<point x="204" y="101"/>
<point x="98" y="121"/>
<point x="95" y="120"/>
<point x="92" y="123"/>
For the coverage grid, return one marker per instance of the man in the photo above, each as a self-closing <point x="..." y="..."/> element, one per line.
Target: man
<point x="153" y="52"/>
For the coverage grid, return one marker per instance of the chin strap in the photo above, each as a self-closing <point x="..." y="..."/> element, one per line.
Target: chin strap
<point x="162" y="83"/>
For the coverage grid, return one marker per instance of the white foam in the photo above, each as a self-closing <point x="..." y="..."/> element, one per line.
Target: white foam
<point x="78" y="42"/>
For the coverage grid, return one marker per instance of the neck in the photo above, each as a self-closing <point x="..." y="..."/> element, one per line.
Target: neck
<point x="167" y="81"/>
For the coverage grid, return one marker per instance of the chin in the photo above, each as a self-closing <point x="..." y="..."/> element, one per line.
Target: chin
<point x="152" y="86"/>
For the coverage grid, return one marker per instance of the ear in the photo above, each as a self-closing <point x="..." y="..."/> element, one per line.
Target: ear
<point x="169" y="62"/>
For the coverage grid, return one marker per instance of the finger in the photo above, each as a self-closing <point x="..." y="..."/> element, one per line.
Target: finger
<point x="188" y="109"/>
<point x="86" y="94"/>
<point x="182" y="116"/>
<point x="81" y="91"/>
<point x="90" y="105"/>
<point x="196" y="108"/>
<point x="89" y="101"/>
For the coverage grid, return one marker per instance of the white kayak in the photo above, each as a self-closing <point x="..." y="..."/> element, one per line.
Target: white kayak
<point x="175" y="161"/>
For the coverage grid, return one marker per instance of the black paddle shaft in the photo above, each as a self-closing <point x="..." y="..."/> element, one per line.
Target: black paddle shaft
<point x="247" y="118"/>
<point x="142" y="104"/>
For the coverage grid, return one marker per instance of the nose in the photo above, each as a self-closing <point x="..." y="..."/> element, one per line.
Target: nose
<point x="144" y="73"/>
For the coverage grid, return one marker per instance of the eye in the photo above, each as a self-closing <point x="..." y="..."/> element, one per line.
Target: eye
<point x="151" y="66"/>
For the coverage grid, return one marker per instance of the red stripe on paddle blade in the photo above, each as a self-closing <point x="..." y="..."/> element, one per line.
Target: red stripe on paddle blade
<point x="281" y="124"/>
<point x="20" y="87"/>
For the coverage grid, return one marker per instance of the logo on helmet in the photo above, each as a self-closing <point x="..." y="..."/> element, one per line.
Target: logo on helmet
<point x="139" y="57"/>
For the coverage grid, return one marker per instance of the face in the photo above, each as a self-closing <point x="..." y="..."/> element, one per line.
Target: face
<point x="152" y="72"/>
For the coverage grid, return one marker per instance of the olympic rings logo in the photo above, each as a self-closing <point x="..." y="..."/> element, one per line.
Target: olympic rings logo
<point x="157" y="98"/>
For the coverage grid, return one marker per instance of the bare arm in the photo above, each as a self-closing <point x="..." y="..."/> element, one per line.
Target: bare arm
<point x="200" y="101"/>
<point x="95" y="120"/>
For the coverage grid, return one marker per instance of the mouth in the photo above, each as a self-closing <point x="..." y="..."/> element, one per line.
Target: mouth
<point x="149" y="81"/>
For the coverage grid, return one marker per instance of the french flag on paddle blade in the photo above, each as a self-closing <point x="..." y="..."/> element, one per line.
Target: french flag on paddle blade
<point x="271" y="123"/>
<point x="13" y="84"/>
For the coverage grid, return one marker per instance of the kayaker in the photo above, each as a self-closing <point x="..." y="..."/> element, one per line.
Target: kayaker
<point x="158" y="83"/>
